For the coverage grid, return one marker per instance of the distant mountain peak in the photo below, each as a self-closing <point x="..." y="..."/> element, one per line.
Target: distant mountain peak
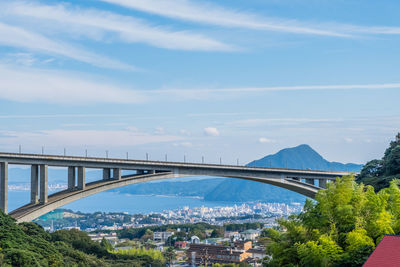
<point x="302" y="157"/>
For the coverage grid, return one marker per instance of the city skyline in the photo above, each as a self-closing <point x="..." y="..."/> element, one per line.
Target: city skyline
<point x="162" y="78"/>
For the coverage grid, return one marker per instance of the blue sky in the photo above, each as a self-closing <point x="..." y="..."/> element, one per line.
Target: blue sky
<point x="233" y="79"/>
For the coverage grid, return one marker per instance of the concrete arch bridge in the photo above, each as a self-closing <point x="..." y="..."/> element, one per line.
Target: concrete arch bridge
<point x="300" y="181"/>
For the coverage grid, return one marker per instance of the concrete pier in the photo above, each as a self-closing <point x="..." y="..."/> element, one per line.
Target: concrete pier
<point x="117" y="174"/>
<point x="322" y="183"/>
<point x="4" y="187"/>
<point x="71" y="177"/>
<point x="34" y="184"/>
<point x="44" y="181"/>
<point x="81" y="178"/>
<point x="106" y="174"/>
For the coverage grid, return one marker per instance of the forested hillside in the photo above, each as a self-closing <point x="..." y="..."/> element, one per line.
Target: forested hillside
<point x="28" y="245"/>
<point x="379" y="172"/>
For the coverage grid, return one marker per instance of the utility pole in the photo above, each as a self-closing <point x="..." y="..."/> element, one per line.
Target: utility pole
<point x="202" y="159"/>
<point x="42" y="150"/>
<point x="65" y="152"/>
<point x="20" y="149"/>
<point x="106" y="154"/>
<point x="147" y="156"/>
<point x="127" y="155"/>
<point x="86" y="152"/>
<point x="166" y="157"/>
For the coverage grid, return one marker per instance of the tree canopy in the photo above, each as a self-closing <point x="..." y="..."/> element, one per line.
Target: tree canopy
<point x="342" y="227"/>
<point x="379" y="173"/>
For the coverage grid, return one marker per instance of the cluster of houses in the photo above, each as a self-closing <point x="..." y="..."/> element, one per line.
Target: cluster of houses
<point x="234" y="247"/>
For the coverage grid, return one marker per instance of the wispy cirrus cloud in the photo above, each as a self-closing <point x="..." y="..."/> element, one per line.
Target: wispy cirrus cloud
<point x="62" y="87"/>
<point x="79" y="138"/>
<point x="213" y="14"/>
<point x="14" y="36"/>
<point x="105" y="25"/>
<point x="43" y="86"/>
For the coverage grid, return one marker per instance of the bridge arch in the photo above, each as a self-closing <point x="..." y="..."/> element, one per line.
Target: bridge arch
<point x="32" y="211"/>
<point x="290" y="179"/>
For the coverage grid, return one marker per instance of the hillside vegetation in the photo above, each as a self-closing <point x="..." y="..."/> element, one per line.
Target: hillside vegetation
<point x="379" y="173"/>
<point x="341" y="228"/>
<point x="28" y="245"/>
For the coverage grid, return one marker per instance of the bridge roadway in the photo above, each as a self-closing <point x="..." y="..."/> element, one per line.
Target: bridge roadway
<point x="144" y="171"/>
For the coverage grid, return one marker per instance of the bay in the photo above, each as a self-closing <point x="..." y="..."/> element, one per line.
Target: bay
<point x="117" y="202"/>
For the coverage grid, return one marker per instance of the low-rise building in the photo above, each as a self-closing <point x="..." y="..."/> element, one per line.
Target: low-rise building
<point x="202" y="254"/>
<point x="162" y="236"/>
<point x="250" y="234"/>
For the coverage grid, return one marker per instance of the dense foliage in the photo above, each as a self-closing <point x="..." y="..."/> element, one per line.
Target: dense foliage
<point x="379" y="173"/>
<point x="341" y="228"/>
<point x="27" y="244"/>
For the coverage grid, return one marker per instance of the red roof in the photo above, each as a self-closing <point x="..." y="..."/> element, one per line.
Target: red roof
<point x="386" y="254"/>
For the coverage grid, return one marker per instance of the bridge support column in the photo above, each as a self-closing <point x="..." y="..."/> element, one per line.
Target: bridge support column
<point x="34" y="184"/>
<point x="117" y="174"/>
<point x="322" y="183"/>
<point x="71" y="177"/>
<point x="44" y="178"/>
<point x="310" y="181"/>
<point x="4" y="186"/>
<point x="140" y="172"/>
<point x="106" y="174"/>
<point x="151" y="171"/>
<point x="81" y="178"/>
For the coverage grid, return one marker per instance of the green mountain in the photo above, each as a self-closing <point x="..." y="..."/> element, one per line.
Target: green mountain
<point x="300" y="157"/>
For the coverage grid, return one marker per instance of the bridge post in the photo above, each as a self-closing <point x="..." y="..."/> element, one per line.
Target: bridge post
<point x="310" y="181"/>
<point x="139" y="172"/>
<point x="81" y="178"/>
<point x="322" y="183"/>
<point x="4" y="186"/>
<point x="34" y="184"/>
<point x="71" y="177"/>
<point x="117" y="173"/>
<point x="106" y="174"/>
<point x="151" y="171"/>
<point x="44" y="178"/>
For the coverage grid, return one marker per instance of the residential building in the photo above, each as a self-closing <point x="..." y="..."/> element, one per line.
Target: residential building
<point x="162" y="236"/>
<point x="202" y="254"/>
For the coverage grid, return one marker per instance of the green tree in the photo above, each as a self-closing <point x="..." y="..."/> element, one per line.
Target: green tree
<point x="105" y="244"/>
<point x="341" y="228"/>
<point x="170" y="255"/>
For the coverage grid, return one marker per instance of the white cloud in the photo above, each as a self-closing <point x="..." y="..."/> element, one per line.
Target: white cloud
<point x="19" y="37"/>
<point x="211" y="131"/>
<point x="210" y="13"/>
<point x="44" y="86"/>
<point x="206" y="93"/>
<point x="27" y="85"/>
<point x="184" y="132"/>
<point x="183" y="144"/>
<point x="96" y="24"/>
<point x="159" y="130"/>
<point x="264" y="140"/>
<point x="76" y="138"/>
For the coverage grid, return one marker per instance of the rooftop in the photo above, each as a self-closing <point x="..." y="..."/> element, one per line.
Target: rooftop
<point x="386" y="254"/>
